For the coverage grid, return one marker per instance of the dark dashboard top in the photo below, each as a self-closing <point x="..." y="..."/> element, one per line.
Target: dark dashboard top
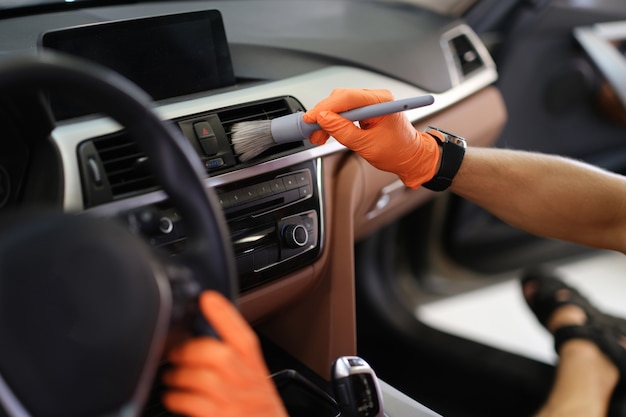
<point x="271" y="39"/>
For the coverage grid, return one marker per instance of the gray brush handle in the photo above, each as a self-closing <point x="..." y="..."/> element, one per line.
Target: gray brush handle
<point x="293" y="128"/>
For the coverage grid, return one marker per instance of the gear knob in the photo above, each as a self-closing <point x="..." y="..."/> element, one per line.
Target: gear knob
<point x="356" y="388"/>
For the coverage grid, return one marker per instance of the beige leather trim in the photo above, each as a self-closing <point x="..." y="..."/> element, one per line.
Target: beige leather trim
<point x="317" y="325"/>
<point x="311" y="314"/>
<point x="479" y="119"/>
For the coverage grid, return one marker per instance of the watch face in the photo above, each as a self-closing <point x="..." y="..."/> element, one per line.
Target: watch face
<point x="452" y="153"/>
<point x="446" y="136"/>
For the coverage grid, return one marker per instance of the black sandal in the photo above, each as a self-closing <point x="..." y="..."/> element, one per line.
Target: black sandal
<point x="604" y="330"/>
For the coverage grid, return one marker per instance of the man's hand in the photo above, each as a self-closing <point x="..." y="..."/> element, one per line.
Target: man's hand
<point x="389" y="143"/>
<point x="227" y="377"/>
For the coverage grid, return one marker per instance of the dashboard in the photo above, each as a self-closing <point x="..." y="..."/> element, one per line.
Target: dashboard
<point x="277" y="58"/>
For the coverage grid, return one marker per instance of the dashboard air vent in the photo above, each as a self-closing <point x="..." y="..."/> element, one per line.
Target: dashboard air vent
<point x="262" y="110"/>
<point x="124" y="165"/>
<point x="266" y="110"/>
<point x="466" y="56"/>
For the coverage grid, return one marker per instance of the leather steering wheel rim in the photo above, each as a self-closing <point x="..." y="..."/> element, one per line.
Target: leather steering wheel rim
<point x="174" y="162"/>
<point x="208" y="251"/>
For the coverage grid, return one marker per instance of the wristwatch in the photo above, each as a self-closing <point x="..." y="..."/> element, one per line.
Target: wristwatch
<point x="452" y="153"/>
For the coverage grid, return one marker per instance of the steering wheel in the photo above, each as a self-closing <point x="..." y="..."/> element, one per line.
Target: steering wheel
<point x="86" y="306"/>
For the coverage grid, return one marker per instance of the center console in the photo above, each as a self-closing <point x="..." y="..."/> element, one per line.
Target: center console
<point x="275" y="222"/>
<point x="275" y="216"/>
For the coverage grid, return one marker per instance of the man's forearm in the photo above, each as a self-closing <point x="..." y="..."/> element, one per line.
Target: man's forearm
<point x="547" y="195"/>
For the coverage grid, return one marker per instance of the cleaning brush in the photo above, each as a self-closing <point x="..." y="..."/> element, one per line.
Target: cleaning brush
<point x="251" y="138"/>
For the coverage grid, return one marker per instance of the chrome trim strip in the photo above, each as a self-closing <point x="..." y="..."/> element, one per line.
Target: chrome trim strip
<point x="154" y="197"/>
<point x="398" y="404"/>
<point x="10" y="404"/>
<point x="597" y="40"/>
<point x="322" y="220"/>
<point x="384" y="197"/>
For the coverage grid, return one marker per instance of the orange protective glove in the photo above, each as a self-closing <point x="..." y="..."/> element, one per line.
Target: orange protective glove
<point x="225" y="378"/>
<point x="389" y="143"/>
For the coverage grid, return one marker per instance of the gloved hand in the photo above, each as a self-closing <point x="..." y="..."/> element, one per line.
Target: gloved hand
<point x="226" y="378"/>
<point x="389" y="143"/>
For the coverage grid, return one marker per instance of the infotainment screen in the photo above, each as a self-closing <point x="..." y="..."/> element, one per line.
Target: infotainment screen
<point x="168" y="56"/>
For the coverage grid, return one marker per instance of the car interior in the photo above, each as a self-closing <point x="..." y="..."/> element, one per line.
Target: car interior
<point x="121" y="196"/>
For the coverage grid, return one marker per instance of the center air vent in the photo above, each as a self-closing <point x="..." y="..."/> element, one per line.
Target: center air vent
<point x="264" y="110"/>
<point x="210" y="132"/>
<point x="113" y="167"/>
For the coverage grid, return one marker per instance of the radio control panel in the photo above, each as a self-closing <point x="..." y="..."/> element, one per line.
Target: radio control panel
<point x="288" y="188"/>
<point x="275" y="222"/>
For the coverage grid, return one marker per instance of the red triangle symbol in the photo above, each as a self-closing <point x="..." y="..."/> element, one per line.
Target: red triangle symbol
<point x="205" y="131"/>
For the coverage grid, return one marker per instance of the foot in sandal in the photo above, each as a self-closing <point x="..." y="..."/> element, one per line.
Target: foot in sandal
<point x="591" y="347"/>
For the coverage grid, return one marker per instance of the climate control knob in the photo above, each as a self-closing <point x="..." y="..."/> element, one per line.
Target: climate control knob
<point x="295" y="235"/>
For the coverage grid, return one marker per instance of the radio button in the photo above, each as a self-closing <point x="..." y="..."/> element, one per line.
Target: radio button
<point x="209" y="146"/>
<point x="214" y="163"/>
<point x="303" y="178"/>
<point x="265" y="257"/>
<point x="277" y="185"/>
<point x="309" y="223"/>
<point x="305" y="192"/>
<point x="250" y="193"/>
<point x="290" y="182"/>
<point x="263" y="189"/>
<point x="239" y="196"/>
<point x="225" y="200"/>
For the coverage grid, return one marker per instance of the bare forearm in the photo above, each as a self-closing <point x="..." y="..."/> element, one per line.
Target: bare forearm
<point x="547" y="195"/>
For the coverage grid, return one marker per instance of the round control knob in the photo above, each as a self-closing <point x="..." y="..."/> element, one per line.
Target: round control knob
<point x="165" y="225"/>
<point x="295" y="235"/>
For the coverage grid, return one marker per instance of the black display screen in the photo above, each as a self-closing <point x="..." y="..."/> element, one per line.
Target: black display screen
<point x="167" y="56"/>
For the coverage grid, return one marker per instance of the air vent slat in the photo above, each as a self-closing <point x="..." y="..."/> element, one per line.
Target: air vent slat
<point x="120" y="173"/>
<point x="124" y="165"/>
<point x="259" y="111"/>
<point x="266" y="115"/>
<point x="132" y="182"/>
<point x="123" y="159"/>
<point x="115" y="148"/>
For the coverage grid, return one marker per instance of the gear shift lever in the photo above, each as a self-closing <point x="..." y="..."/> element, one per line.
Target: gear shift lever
<point x="356" y="388"/>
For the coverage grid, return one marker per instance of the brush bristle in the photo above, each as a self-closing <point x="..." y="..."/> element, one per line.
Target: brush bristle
<point x="251" y="138"/>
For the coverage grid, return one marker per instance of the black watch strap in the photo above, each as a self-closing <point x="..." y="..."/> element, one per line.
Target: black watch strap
<point x="452" y="153"/>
